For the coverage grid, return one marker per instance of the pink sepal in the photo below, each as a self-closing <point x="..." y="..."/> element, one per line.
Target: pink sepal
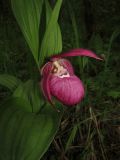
<point x="77" y="52"/>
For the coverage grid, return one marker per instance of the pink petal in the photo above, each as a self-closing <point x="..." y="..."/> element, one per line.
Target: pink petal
<point x="78" y="52"/>
<point x="45" y="81"/>
<point x="69" y="91"/>
<point x="46" y="69"/>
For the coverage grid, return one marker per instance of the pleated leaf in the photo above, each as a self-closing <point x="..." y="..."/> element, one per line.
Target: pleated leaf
<point x="24" y="135"/>
<point x="30" y="91"/>
<point x="52" y="40"/>
<point x="28" y="13"/>
<point x="9" y="81"/>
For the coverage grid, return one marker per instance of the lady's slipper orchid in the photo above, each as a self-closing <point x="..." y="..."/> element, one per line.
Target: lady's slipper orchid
<point x="59" y="80"/>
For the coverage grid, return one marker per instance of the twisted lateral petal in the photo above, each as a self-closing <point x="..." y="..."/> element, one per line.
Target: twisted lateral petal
<point x="46" y="73"/>
<point x="78" y="52"/>
<point x="45" y="70"/>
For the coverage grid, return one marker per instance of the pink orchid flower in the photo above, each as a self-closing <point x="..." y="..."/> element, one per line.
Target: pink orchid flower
<point x="60" y="81"/>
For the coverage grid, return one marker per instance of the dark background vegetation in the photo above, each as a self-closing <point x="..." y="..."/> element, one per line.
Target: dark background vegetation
<point x="90" y="131"/>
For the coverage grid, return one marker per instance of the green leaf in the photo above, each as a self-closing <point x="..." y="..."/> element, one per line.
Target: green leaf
<point x="114" y="94"/>
<point x="52" y="41"/>
<point x="20" y="102"/>
<point x="79" y="31"/>
<point x="74" y="25"/>
<point x="28" y="13"/>
<point x="96" y="43"/>
<point x="48" y="11"/>
<point x="71" y="137"/>
<point x="25" y="135"/>
<point x="30" y="91"/>
<point x="35" y="98"/>
<point x="9" y="81"/>
<point x="21" y="92"/>
<point x="112" y="38"/>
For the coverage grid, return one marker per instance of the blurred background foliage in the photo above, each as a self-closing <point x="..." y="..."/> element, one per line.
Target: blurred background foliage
<point x="91" y="131"/>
